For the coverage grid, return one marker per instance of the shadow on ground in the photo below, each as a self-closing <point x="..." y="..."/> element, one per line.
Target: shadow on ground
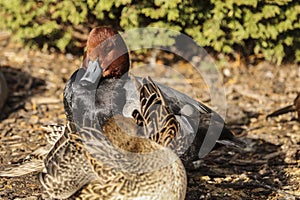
<point x="254" y="173"/>
<point x="21" y="86"/>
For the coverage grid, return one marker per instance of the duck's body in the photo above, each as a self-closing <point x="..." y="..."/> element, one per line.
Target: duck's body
<point x="137" y="169"/>
<point x="113" y="162"/>
<point x="120" y="96"/>
<point x="197" y="122"/>
<point x="201" y="128"/>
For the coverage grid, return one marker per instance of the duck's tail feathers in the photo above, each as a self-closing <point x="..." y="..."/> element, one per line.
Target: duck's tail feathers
<point x="23" y="169"/>
<point x="228" y="138"/>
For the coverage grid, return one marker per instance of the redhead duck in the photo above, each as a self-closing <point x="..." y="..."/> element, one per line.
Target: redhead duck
<point x="290" y="108"/>
<point x="116" y="163"/>
<point x="102" y="87"/>
<point x="3" y="90"/>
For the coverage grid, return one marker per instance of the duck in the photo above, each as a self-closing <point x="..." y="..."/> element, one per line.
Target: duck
<point x="104" y="75"/>
<point x="290" y="108"/>
<point x="3" y="90"/>
<point x="114" y="161"/>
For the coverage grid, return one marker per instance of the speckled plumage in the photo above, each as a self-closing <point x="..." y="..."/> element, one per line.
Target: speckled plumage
<point x="138" y="168"/>
<point x="201" y="129"/>
<point x="34" y="162"/>
<point x="115" y="163"/>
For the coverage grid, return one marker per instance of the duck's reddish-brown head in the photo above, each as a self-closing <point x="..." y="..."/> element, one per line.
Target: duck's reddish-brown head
<point x="107" y="47"/>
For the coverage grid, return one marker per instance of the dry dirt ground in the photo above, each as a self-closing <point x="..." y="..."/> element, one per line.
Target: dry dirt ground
<point x="269" y="168"/>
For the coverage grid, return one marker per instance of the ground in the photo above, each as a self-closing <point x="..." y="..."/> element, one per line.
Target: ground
<point x="269" y="168"/>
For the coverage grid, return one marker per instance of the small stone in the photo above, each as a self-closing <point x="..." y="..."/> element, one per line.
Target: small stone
<point x="218" y="180"/>
<point x="69" y="56"/>
<point x="33" y="119"/>
<point x="205" y="178"/>
<point x="295" y="127"/>
<point x="226" y="72"/>
<point x="228" y="179"/>
<point x="269" y="74"/>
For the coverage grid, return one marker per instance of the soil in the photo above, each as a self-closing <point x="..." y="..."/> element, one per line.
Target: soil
<point x="268" y="168"/>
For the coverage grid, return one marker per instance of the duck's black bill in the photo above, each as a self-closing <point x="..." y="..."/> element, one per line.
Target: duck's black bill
<point x="92" y="75"/>
<point x="281" y="111"/>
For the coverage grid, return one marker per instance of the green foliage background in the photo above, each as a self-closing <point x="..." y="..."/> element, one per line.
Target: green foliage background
<point x="267" y="29"/>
